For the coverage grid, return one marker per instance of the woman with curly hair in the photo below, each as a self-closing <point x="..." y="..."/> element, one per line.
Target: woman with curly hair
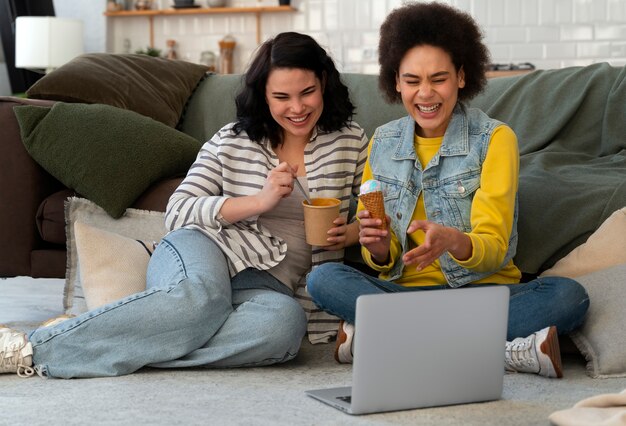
<point x="220" y="286"/>
<point x="450" y="177"/>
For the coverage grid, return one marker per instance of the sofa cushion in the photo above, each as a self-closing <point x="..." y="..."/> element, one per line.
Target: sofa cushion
<point x="601" y="339"/>
<point x="51" y="217"/>
<point x="156" y="197"/>
<point x="606" y="247"/>
<point x="107" y="154"/>
<point x="51" y="212"/>
<point x="135" y="224"/>
<point x="155" y="87"/>
<point x="111" y="266"/>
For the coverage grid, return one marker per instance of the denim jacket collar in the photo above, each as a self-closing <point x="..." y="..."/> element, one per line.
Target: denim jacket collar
<point x="452" y="144"/>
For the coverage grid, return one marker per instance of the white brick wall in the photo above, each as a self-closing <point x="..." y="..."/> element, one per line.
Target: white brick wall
<point x="91" y="12"/>
<point x="547" y="33"/>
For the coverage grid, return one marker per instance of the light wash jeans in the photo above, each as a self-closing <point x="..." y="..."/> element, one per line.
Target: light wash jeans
<point x="191" y="314"/>
<point x="533" y="306"/>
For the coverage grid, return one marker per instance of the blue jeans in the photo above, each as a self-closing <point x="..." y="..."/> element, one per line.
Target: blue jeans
<point x="191" y="314"/>
<point x="533" y="306"/>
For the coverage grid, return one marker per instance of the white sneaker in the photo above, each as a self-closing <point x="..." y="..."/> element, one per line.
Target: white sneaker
<point x="16" y="353"/>
<point x="343" y="348"/>
<point x="56" y="320"/>
<point x="538" y="353"/>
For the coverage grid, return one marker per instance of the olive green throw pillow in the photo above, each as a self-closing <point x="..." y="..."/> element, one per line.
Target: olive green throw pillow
<point x="107" y="154"/>
<point x="155" y="87"/>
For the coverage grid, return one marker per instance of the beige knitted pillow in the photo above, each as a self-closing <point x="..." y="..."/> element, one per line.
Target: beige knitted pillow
<point x="111" y="266"/>
<point x="134" y="224"/>
<point x="606" y="247"/>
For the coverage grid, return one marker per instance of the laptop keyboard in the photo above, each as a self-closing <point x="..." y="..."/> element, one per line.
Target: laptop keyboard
<point x="347" y="399"/>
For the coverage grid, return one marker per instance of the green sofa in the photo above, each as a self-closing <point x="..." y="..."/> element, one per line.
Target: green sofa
<point x="571" y="127"/>
<point x="570" y="123"/>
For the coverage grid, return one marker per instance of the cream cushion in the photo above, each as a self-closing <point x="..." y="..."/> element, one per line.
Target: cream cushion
<point x="602" y="339"/>
<point x="599" y="265"/>
<point x="606" y="247"/>
<point x="111" y="266"/>
<point x="136" y="224"/>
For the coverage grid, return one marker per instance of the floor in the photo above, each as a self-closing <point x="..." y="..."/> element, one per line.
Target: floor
<point x="44" y="301"/>
<point x="249" y="396"/>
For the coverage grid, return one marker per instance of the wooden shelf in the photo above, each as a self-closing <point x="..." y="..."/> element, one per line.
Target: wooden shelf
<point x="150" y="14"/>
<point x="202" y="11"/>
<point x="506" y="73"/>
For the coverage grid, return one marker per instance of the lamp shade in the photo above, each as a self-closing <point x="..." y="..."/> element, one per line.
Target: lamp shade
<point x="47" y="42"/>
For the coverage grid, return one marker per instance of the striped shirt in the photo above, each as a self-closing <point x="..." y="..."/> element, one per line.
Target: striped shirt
<point x="231" y="165"/>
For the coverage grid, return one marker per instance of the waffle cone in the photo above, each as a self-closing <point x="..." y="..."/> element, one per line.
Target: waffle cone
<point x="373" y="202"/>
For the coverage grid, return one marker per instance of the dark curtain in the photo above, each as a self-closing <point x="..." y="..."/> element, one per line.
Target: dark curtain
<point x="20" y="79"/>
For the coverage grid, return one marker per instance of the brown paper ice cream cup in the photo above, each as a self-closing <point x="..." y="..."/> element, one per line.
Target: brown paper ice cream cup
<point x="318" y="219"/>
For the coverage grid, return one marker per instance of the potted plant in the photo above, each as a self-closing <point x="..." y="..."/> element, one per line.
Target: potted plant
<point x="150" y="51"/>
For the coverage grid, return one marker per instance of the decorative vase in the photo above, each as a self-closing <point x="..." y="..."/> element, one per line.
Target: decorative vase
<point x="143" y="4"/>
<point x="209" y="59"/>
<point x="284" y="2"/>
<point x="171" y="49"/>
<point x="227" y="46"/>
<point x="112" y="6"/>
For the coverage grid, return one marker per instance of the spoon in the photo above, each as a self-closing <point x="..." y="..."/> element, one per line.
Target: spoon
<point x="306" y="196"/>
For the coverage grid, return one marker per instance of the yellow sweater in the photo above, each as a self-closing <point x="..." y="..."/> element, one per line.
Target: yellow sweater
<point x="491" y="217"/>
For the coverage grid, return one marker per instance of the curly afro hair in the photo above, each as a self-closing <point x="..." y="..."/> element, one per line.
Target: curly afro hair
<point x="438" y="25"/>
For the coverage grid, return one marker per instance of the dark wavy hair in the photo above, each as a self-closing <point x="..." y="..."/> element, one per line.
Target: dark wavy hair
<point x="290" y="50"/>
<point x="438" y="25"/>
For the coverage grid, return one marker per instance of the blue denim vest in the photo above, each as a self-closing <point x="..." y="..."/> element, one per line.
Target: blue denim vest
<point x="449" y="181"/>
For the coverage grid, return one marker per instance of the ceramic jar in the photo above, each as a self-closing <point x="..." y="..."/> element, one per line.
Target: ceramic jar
<point x="143" y="4"/>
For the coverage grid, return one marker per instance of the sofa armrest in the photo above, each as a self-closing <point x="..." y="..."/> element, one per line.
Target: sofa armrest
<point x="23" y="186"/>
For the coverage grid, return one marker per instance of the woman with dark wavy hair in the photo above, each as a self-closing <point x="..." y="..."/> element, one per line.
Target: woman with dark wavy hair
<point x="450" y="174"/>
<point x="221" y="285"/>
<point x="290" y="51"/>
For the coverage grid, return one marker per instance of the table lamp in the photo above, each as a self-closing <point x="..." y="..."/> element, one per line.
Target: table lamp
<point x="44" y="42"/>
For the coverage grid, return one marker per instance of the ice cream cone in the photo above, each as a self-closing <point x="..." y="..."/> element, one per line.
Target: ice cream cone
<point x="373" y="202"/>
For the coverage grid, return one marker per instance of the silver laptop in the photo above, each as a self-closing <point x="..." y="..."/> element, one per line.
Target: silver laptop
<point x="424" y="349"/>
